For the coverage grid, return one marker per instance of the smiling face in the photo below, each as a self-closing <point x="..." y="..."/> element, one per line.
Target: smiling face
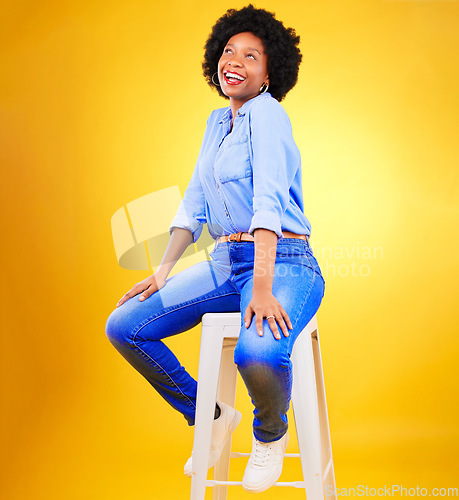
<point x="242" y="68"/>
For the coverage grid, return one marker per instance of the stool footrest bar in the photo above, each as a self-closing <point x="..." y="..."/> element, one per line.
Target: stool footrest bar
<point x="235" y="454"/>
<point x="292" y="484"/>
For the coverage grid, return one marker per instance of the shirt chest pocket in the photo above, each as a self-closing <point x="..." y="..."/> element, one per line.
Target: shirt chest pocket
<point x="233" y="160"/>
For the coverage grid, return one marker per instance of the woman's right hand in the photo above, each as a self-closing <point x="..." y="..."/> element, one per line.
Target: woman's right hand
<point x="145" y="287"/>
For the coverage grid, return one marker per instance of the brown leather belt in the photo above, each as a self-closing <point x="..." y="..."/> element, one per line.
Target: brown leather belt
<point x="247" y="237"/>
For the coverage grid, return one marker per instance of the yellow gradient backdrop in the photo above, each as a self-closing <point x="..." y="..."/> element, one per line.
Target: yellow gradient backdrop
<point x="102" y="102"/>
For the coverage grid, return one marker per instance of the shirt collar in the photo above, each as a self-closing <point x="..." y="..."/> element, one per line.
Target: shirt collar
<point x="227" y="115"/>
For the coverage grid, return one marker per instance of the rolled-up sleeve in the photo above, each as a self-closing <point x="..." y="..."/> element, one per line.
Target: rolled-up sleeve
<point x="191" y="213"/>
<point x="275" y="161"/>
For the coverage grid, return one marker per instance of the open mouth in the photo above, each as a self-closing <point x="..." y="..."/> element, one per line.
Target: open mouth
<point x="232" y="78"/>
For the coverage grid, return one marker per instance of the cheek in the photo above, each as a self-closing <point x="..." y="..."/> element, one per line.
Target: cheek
<point x="264" y="71"/>
<point x="221" y="62"/>
<point x="260" y="75"/>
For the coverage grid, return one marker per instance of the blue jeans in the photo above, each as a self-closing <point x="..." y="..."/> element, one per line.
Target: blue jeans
<point x="223" y="284"/>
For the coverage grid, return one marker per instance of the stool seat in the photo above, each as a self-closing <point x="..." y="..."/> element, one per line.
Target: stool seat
<point x="217" y="377"/>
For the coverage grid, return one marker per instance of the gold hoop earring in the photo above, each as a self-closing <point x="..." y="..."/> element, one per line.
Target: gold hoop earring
<point x="216" y="84"/>
<point x="263" y="90"/>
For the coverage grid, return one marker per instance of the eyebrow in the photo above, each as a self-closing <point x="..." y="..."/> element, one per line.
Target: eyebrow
<point x="249" y="48"/>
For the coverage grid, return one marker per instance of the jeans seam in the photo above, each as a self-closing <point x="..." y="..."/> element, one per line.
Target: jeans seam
<point x="187" y="399"/>
<point x="155" y="362"/>
<point x="229" y="280"/>
<point x="306" y="298"/>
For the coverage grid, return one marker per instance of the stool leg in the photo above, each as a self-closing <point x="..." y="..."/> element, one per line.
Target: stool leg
<point x="306" y="412"/>
<point x="326" y="449"/>
<point x="209" y="362"/>
<point x="226" y="393"/>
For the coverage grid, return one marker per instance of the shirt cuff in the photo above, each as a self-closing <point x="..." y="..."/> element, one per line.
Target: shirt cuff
<point x="264" y="219"/>
<point x="195" y="230"/>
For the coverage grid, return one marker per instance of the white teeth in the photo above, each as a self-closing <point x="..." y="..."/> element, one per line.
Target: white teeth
<point x="234" y="76"/>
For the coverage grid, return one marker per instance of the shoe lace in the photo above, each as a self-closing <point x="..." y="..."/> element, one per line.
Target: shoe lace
<point x="260" y="453"/>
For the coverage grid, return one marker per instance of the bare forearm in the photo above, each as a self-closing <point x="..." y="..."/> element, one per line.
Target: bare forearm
<point x="265" y="256"/>
<point x="179" y="241"/>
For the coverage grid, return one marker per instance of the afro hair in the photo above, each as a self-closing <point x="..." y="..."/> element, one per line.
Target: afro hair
<point x="280" y="43"/>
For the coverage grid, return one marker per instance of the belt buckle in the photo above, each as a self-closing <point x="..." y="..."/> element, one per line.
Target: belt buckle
<point x="237" y="236"/>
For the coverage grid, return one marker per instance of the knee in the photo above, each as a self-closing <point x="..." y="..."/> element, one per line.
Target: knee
<point x="266" y="382"/>
<point x="117" y="328"/>
<point x="242" y="355"/>
<point x="252" y="350"/>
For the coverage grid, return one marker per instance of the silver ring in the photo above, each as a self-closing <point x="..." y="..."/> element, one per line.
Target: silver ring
<point x="267" y="317"/>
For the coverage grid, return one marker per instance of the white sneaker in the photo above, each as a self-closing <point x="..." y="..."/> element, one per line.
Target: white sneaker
<point x="265" y="464"/>
<point x="222" y="429"/>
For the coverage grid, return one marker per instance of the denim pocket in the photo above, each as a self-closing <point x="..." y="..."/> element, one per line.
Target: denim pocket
<point x="296" y="251"/>
<point x="291" y="246"/>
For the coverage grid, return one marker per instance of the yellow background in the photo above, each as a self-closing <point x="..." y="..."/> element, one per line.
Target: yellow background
<point x="102" y="102"/>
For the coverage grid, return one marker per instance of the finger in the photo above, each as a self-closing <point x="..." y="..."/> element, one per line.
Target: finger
<point x="273" y="326"/>
<point x="146" y="293"/>
<point x="259" y="324"/>
<point x="286" y="318"/>
<point x="135" y="290"/>
<point x="124" y="298"/>
<point x="282" y="323"/>
<point x="248" y="317"/>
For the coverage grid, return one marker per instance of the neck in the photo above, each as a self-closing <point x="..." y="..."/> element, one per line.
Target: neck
<point x="235" y="105"/>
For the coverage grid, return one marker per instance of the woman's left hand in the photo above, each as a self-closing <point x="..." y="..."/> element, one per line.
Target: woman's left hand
<point x="264" y="304"/>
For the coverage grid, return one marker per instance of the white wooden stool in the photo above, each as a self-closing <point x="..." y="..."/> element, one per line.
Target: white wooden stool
<point x="217" y="378"/>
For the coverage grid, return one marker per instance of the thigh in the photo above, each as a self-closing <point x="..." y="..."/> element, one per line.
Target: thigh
<point x="179" y="305"/>
<point x="299" y="289"/>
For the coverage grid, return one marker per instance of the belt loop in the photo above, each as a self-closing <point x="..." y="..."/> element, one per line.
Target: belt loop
<point x="238" y="237"/>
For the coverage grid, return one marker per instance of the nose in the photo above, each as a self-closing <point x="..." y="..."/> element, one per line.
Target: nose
<point x="234" y="61"/>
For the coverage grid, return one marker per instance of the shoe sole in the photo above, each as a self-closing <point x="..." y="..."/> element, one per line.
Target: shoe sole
<point x="232" y="427"/>
<point x="266" y="485"/>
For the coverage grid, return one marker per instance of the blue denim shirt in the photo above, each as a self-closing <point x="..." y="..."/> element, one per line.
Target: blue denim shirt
<point x="248" y="178"/>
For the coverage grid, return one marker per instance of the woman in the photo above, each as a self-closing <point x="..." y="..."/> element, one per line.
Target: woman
<point x="246" y="186"/>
